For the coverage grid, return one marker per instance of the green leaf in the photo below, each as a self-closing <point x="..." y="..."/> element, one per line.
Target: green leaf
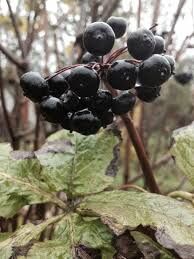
<point x="150" y="248"/>
<point x="20" y="182"/>
<point x="172" y="220"/>
<point x="74" y="230"/>
<point x="70" y="232"/>
<point x="183" y="149"/>
<point x="24" y="238"/>
<point x="78" y="164"/>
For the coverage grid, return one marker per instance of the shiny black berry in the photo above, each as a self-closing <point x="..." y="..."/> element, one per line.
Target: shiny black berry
<point x="34" y="86"/>
<point x="66" y="74"/>
<point x="183" y="78"/>
<point x="70" y="101"/>
<point x="51" y="109"/>
<point x="123" y="103"/>
<point x="118" y="24"/>
<point x="98" y="38"/>
<point x="148" y="94"/>
<point x="57" y="85"/>
<point x="154" y="71"/>
<point x="122" y="75"/>
<point x="141" y="44"/>
<point x="65" y="121"/>
<point x="85" y="122"/>
<point x="88" y="58"/>
<point x="106" y="118"/>
<point x="171" y="61"/>
<point x="84" y="81"/>
<point x="159" y="46"/>
<point x="101" y="102"/>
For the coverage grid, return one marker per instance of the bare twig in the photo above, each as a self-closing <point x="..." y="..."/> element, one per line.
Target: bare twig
<point x="126" y="175"/>
<point x="56" y="50"/>
<point x="176" y="16"/>
<point x="156" y="12"/>
<point x="5" y="113"/>
<point x="37" y="129"/>
<point x="17" y="33"/>
<point x="109" y="8"/>
<point x="139" y="148"/>
<point x="139" y="13"/>
<point x="163" y="160"/>
<point x="183" y="46"/>
<point x="19" y="63"/>
<point x="128" y="186"/>
<point x="31" y="32"/>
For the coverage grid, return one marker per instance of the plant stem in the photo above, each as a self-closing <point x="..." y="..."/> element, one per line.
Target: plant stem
<point x="6" y="115"/>
<point x="139" y="148"/>
<point x="132" y="186"/>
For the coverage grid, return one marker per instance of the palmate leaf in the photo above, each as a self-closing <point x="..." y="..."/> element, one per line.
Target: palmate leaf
<point x="72" y="163"/>
<point x="183" y="150"/>
<point x="172" y="220"/>
<point x="70" y="231"/>
<point x="24" y="238"/>
<point x="78" y="164"/>
<point x="20" y="182"/>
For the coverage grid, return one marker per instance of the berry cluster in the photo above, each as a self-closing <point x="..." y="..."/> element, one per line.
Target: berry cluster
<point x="74" y="97"/>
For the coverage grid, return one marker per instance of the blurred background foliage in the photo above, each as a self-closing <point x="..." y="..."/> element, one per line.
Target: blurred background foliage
<point x="44" y="35"/>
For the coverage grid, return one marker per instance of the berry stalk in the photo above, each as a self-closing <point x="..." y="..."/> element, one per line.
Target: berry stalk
<point x="139" y="148"/>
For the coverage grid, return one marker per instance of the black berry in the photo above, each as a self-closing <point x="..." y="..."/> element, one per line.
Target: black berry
<point x="85" y="122"/>
<point x="148" y="94"/>
<point x="123" y="103"/>
<point x="118" y="24"/>
<point x="66" y="74"/>
<point x="141" y="44"/>
<point x="70" y="101"/>
<point x="52" y="109"/>
<point x="106" y="118"/>
<point x="171" y="61"/>
<point x="183" y="78"/>
<point x="88" y="58"/>
<point x="101" y="102"/>
<point x="84" y="81"/>
<point x="65" y="122"/>
<point x="122" y="75"/>
<point x="154" y="71"/>
<point x="98" y="38"/>
<point x="159" y="46"/>
<point x="57" y="85"/>
<point x="34" y="86"/>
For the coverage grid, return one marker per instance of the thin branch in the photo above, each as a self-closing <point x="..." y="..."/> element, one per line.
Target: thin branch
<point x="139" y="13"/>
<point x="126" y="175"/>
<point x="183" y="46"/>
<point x="14" y="23"/>
<point x="156" y="11"/>
<point x="56" y="50"/>
<point x="31" y="32"/>
<point x="176" y="16"/>
<point x="5" y="113"/>
<point x="127" y="186"/>
<point x="162" y="161"/>
<point x="37" y="129"/>
<point x="19" y="63"/>
<point x="109" y="8"/>
<point x="139" y="148"/>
